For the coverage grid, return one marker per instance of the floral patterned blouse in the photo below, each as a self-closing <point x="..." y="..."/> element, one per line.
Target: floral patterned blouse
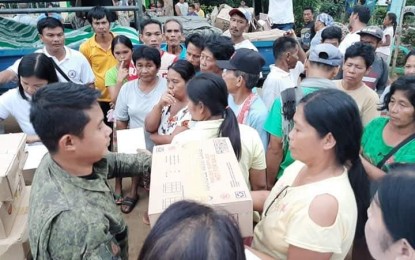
<point x="169" y="122"/>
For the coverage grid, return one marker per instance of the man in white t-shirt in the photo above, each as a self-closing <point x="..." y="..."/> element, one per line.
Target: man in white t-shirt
<point x="73" y="64"/>
<point x="281" y="14"/>
<point x="284" y="73"/>
<point x="239" y="23"/>
<point x="181" y="8"/>
<point x="357" y="21"/>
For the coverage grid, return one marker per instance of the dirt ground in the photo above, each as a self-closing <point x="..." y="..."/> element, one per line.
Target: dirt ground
<point x="137" y="230"/>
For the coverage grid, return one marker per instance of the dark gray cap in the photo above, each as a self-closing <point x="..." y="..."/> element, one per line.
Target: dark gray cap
<point x="374" y="31"/>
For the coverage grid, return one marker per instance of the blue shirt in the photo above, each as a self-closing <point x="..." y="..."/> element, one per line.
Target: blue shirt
<point x="257" y="115"/>
<point x="182" y="55"/>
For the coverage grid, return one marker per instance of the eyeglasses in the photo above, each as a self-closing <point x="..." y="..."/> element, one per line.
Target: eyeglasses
<point x="283" y="193"/>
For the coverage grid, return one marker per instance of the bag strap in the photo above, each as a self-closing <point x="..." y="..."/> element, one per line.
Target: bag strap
<point x="394" y="150"/>
<point x="60" y="70"/>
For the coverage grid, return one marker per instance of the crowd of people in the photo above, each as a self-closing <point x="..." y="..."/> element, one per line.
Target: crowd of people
<point x="326" y="146"/>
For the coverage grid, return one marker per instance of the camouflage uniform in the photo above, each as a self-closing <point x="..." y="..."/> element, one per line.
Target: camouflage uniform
<point x="76" y="218"/>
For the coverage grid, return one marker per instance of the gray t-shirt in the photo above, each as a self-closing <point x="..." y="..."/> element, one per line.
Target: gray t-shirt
<point x="133" y="105"/>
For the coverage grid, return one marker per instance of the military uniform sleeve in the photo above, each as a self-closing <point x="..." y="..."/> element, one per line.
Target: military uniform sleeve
<point x="74" y="235"/>
<point x="129" y="165"/>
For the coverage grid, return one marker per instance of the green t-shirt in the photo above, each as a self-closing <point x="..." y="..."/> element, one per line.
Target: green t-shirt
<point x="111" y="77"/>
<point x="375" y="149"/>
<point x="273" y="125"/>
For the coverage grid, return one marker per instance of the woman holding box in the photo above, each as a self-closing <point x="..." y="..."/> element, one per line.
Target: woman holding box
<point x="212" y="117"/>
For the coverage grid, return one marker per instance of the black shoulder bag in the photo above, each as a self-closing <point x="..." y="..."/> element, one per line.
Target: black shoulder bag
<point x="394" y="150"/>
<point x="60" y="70"/>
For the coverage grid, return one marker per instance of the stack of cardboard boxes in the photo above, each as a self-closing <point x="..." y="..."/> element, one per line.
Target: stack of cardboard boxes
<point x="14" y="198"/>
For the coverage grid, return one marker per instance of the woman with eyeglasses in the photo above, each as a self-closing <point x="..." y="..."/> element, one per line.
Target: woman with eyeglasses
<point x="318" y="207"/>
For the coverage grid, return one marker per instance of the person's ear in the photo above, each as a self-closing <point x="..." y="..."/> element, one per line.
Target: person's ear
<point x="239" y="81"/>
<point x="41" y="37"/>
<point x="67" y="143"/>
<point x="368" y="70"/>
<point x="406" y="252"/>
<point x="335" y="72"/>
<point x="329" y="141"/>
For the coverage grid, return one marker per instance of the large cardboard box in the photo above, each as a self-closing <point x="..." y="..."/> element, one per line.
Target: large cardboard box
<point x="9" y="209"/>
<point x="34" y="155"/>
<point x="205" y="171"/>
<point x="16" y="246"/>
<point x="12" y="158"/>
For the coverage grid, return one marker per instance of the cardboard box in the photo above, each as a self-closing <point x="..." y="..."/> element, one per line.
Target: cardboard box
<point x="265" y="22"/>
<point x="205" y="171"/>
<point x="270" y="35"/>
<point x="129" y="140"/>
<point x="34" y="154"/>
<point x="12" y="158"/>
<point x="9" y="209"/>
<point x="16" y="246"/>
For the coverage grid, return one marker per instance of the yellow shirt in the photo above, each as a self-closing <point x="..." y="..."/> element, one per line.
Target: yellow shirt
<point x="366" y="99"/>
<point x="201" y="13"/>
<point x="287" y="221"/>
<point x="101" y="61"/>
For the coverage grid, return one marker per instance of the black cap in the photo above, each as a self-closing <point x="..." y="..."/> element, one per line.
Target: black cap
<point x="246" y="60"/>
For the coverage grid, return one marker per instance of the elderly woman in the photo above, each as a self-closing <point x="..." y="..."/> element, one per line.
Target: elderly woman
<point x="171" y="116"/>
<point x="391" y="139"/>
<point x="315" y="208"/>
<point x="135" y="100"/>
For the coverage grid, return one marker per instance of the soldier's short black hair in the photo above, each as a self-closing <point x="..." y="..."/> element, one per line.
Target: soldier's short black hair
<point x="59" y="109"/>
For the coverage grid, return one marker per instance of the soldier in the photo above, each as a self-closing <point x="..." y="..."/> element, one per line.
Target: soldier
<point x="72" y="212"/>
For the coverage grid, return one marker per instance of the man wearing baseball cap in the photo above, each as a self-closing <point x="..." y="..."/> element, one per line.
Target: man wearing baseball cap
<point x="322" y="65"/>
<point x="240" y="19"/>
<point x="241" y="74"/>
<point x="377" y="76"/>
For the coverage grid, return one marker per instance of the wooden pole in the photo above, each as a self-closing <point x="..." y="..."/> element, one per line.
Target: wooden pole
<point x="398" y="35"/>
